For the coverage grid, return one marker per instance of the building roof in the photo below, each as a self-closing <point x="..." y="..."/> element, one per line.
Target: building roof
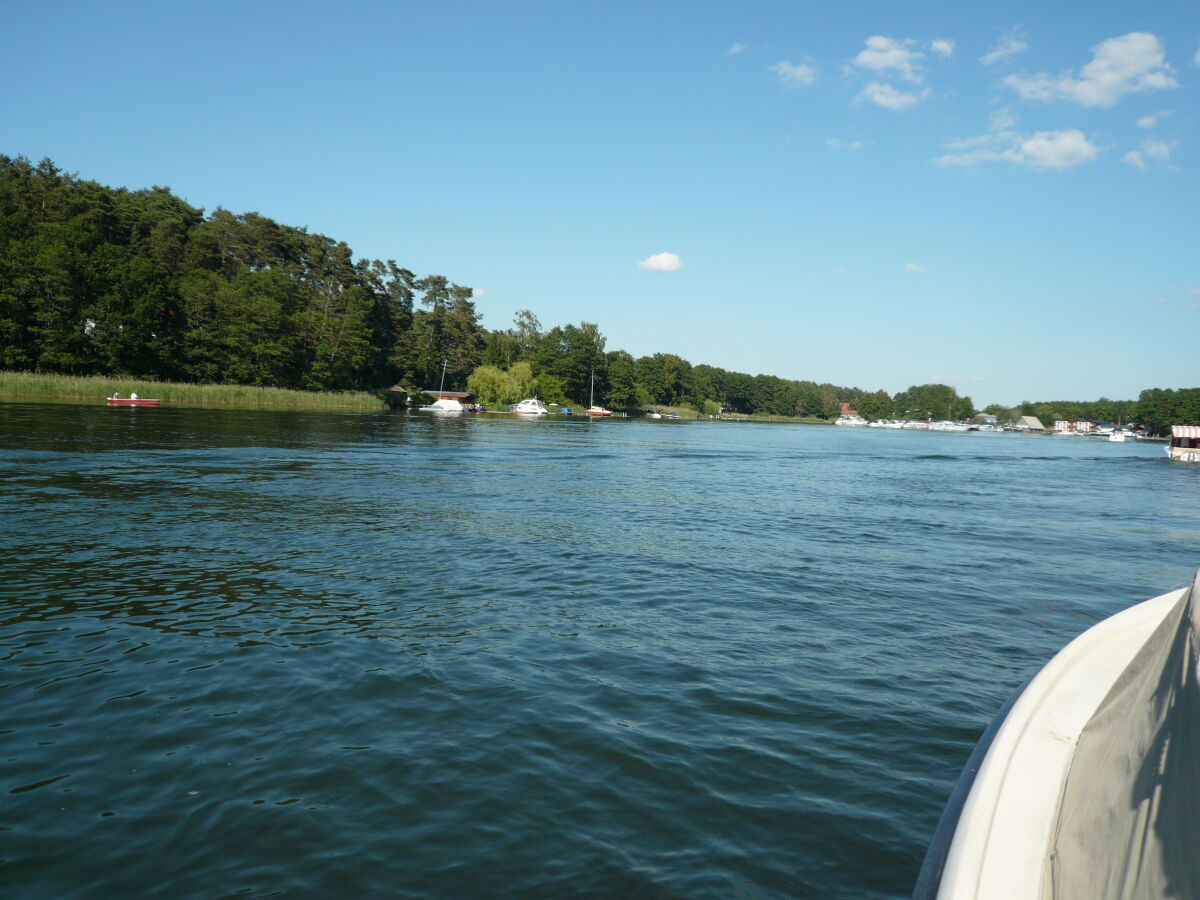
<point x="1185" y="431"/>
<point x="450" y="395"/>
<point x="1031" y="422"/>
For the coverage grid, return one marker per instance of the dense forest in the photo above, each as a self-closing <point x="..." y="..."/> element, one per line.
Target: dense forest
<point x="100" y="280"/>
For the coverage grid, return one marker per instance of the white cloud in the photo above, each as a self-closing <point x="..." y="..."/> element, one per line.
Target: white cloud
<point x="1001" y="120"/>
<point x="1134" y="159"/>
<point x="1122" y="65"/>
<point x="1152" y="152"/>
<point x="1058" y="149"/>
<point x="832" y="273"/>
<point x="835" y="144"/>
<point x="795" y="76"/>
<point x="477" y="292"/>
<point x="884" y="54"/>
<point x="942" y="47"/>
<point x="1151" y="121"/>
<point x="736" y="48"/>
<point x="915" y="269"/>
<point x="888" y="97"/>
<point x="1043" y="150"/>
<point x="1010" y="45"/>
<point x="662" y="262"/>
<point x="1196" y="58"/>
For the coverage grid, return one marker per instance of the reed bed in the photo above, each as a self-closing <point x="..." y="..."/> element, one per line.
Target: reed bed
<point x="35" y="386"/>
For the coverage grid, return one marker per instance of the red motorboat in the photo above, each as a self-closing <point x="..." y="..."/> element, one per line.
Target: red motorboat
<point x="114" y="400"/>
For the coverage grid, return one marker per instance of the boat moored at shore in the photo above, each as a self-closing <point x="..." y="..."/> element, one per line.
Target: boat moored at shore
<point x="131" y="400"/>
<point x="531" y="407"/>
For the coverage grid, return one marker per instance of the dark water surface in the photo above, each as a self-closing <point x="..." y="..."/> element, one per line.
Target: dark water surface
<point x="312" y="654"/>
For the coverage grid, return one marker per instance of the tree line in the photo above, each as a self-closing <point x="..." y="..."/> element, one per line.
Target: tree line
<point x="139" y="283"/>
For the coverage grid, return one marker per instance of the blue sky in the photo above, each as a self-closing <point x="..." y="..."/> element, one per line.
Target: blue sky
<point x="873" y="194"/>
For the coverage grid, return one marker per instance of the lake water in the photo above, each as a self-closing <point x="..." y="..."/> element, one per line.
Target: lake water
<point x="314" y="654"/>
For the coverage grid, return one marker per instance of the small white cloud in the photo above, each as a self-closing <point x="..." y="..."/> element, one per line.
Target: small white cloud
<point x="1122" y="65"/>
<point x="888" y="97"/>
<point x="976" y="379"/>
<point x="1193" y="290"/>
<point x="832" y="273"/>
<point x="884" y="54"/>
<point x="942" y="48"/>
<point x="1058" y="149"/>
<point x="1134" y="159"/>
<point x="1151" y="152"/>
<point x="477" y="292"/>
<point x="736" y="48"/>
<point x="915" y="269"/>
<point x="662" y="262"/>
<point x="1001" y="120"/>
<point x="1196" y="58"/>
<point x="801" y="75"/>
<point x="1043" y="150"/>
<point x="1009" y="45"/>
<point x="1151" y="121"/>
<point x="835" y="144"/>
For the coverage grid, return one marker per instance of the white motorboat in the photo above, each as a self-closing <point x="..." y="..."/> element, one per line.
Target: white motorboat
<point x="854" y="420"/>
<point x="531" y="407"/>
<point x="946" y="425"/>
<point x="1085" y="785"/>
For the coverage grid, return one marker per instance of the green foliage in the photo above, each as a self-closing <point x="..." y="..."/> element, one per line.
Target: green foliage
<point x="1159" y="409"/>
<point x="574" y="356"/>
<point x="48" y="387"/>
<point x="932" y="401"/>
<point x="497" y="387"/>
<point x="95" y="279"/>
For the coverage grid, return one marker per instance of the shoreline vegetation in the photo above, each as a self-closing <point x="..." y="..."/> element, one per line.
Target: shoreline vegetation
<point x="230" y="309"/>
<point x="95" y="388"/>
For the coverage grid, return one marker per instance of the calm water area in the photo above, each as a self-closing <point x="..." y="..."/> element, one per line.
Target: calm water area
<point x="319" y="654"/>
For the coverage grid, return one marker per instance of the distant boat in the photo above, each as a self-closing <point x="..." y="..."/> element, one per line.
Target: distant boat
<point x="593" y="409"/>
<point x="1085" y="784"/>
<point x="449" y="401"/>
<point x="131" y="400"/>
<point x="653" y="415"/>
<point x="854" y="420"/>
<point x="531" y="407"/>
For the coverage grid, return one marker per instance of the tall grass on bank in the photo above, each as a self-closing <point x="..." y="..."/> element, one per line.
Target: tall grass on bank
<point x="34" y="386"/>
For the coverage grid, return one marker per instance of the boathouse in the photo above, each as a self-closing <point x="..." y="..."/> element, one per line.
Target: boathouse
<point x="1030" y="423"/>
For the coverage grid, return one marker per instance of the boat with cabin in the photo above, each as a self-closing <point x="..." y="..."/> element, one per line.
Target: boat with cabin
<point x="1086" y="784"/>
<point x="1185" y="443"/>
<point x="531" y="407"/>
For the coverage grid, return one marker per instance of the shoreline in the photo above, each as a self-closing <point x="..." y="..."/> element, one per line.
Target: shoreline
<point x="36" y="387"/>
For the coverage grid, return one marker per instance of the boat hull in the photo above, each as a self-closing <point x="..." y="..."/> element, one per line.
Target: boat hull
<point x="1052" y="794"/>
<point x="126" y="402"/>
